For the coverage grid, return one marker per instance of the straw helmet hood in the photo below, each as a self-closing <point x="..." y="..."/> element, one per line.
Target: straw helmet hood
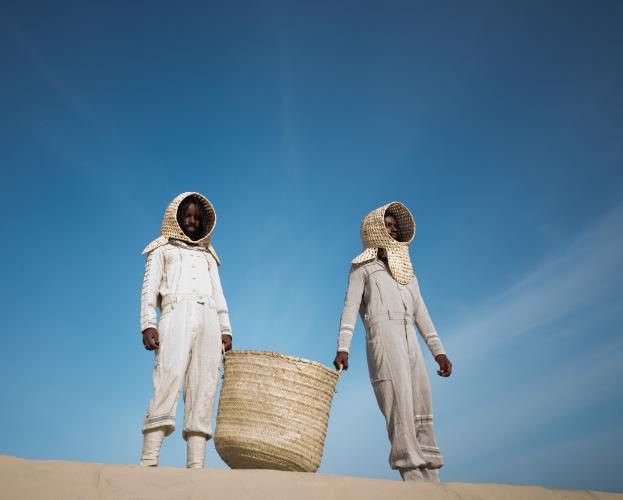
<point x="375" y="236"/>
<point x="170" y="228"/>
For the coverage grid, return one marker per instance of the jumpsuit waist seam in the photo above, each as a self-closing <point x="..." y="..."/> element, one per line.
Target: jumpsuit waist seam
<point x="399" y="317"/>
<point x="170" y="300"/>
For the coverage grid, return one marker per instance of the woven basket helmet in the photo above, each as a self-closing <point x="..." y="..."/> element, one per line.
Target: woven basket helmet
<point x="375" y="236"/>
<point x="170" y="228"/>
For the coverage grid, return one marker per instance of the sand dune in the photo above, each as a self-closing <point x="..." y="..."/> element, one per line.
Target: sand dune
<point x="41" y="480"/>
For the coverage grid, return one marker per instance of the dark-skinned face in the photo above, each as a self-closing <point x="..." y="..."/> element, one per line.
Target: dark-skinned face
<point x="190" y="221"/>
<point x="391" y="225"/>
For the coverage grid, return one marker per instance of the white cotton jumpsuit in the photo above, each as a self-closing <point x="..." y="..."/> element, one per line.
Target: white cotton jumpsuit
<point x="183" y="280"/>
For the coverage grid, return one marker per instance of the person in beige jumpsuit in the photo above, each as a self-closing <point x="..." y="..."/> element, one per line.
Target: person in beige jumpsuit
<point x="384" y="291"/>
<point x="182" y="280"/>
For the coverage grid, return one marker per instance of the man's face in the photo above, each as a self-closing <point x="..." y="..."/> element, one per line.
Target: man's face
<point x="391" y="226"/>
<point x="190" y="221"/>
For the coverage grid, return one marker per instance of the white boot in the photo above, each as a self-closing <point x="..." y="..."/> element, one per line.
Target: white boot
<point x="196" y="450"/>
<point x="152" y="441"/>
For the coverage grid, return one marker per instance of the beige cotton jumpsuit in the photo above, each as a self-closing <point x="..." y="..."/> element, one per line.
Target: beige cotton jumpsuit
<point x="391" y="306"/>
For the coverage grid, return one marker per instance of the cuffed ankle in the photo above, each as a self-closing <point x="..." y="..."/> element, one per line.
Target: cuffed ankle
<point x="152" y="441"/>
<point x="431" y="475"/>
<point x="412" y="475"/>
<point x="195" y="450"/>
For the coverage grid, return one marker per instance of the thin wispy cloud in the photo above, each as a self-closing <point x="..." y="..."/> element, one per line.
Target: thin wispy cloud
<point x="550" y="395"/>
<point x="549" y="343"/>
<point x="565" y="282"/>
<point x="579" y="454"/>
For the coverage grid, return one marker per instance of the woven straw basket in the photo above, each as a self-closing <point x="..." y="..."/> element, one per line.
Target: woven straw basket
<point x="273" y="411"/>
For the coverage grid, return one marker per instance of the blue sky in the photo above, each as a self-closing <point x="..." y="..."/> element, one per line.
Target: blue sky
<point x="500" y="124"/>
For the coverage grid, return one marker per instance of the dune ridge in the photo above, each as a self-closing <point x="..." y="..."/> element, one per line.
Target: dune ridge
<point x="55" y="479"/>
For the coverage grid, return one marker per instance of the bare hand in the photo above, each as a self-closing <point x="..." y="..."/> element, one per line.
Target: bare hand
<point x="226" y="339"/>
<point x="445" y="367"/>
<point x="341" y="361"/>
<point x="151" y="339"/>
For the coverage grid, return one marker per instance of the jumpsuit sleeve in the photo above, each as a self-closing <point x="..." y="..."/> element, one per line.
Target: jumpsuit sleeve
<point x="348" y="320"/>
<point x="425" y="324"/>
<point x="219" y="298"/>
<point x="154" y="268"/>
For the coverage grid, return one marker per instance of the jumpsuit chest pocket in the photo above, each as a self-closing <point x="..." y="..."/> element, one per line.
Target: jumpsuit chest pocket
<point x="172" y="261"/>
<point x="376" y="296"/>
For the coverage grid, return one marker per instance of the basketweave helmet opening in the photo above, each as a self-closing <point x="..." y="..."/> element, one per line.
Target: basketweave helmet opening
<point x="171" y="228"/>
<point x="206" y="215"/>
<point x="404" y="219"/>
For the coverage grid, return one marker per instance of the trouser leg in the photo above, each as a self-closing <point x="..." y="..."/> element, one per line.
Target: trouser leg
<point x="202" y="374"/>
<point x="389" y="366"/>
<point x="423" y="408"/>
<point x="169" y="370"/>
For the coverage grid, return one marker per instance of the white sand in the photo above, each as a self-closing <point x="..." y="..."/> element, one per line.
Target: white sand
<point x="41" y="480"/>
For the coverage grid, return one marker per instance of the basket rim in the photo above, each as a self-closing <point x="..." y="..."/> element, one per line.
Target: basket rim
<point x="234" y="352"/>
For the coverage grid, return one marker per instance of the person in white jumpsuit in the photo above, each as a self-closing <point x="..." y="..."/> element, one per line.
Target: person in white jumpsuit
<point x="384" y="291"/>
<point x="182" y="280"/>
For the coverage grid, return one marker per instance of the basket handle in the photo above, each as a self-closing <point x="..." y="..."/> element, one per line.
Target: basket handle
<point x="223" y="360"/>
<point x="339" y="373"/>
